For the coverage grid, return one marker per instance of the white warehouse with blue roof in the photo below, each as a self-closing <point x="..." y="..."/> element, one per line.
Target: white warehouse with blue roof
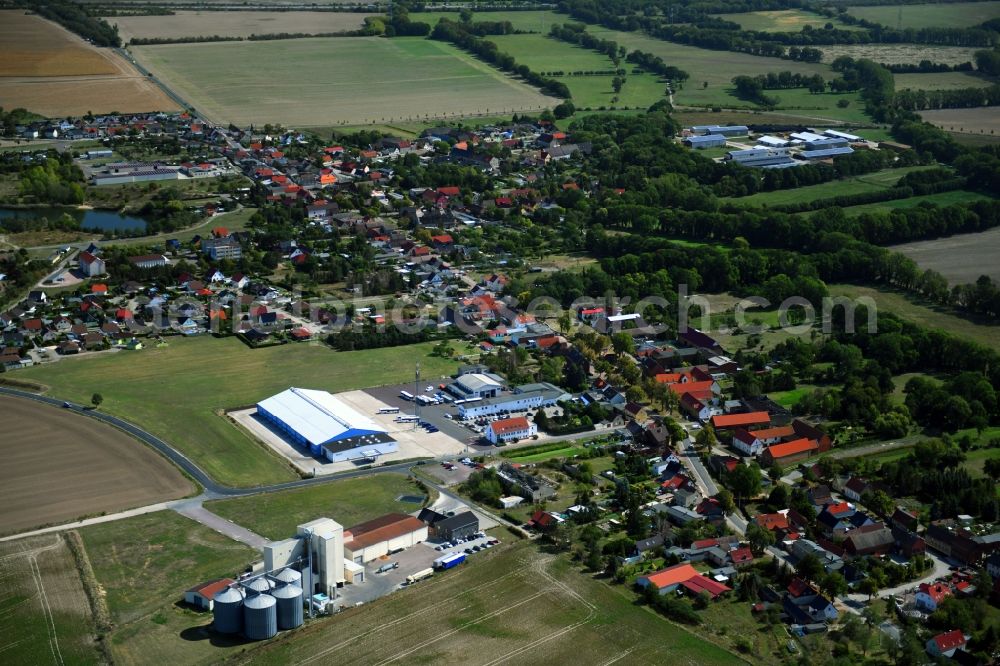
<point x="330" y="428"/>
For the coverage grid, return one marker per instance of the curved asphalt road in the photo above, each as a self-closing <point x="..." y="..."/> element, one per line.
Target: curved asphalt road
<point x="212" y="487"/>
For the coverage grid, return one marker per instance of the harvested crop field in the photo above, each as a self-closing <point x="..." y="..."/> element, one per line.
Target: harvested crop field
<point x="511" y="605"/>
<point x="984" y="120"/>
<point x="45" y="617"/>
<point x="347" y="80"/>
<point x="234" y="24"/>
<point x="50" y="71"/>
<point x="59" y="466"/>
<point x="895" y="54"/>
<point x="961" y="259"/>
<point x="32" y="46"/>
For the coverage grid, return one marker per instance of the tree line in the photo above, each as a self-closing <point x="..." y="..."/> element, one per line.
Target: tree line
<point x="457" y="34"/>
<point x="75" y="18"/>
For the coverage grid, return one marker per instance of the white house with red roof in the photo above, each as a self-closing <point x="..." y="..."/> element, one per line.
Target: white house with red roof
<point x="505" y="430"/>
<point x="90" y="265"/>
<point x="945" y="645"/>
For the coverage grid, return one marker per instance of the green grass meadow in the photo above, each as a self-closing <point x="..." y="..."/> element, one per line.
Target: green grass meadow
<point x="782" y="20"/>
<point x="941" y="81"/>
<point x="872" y="182"/>
<point x="936" y="15"/>
<point x="178" y="392"/>
<point x="349" y="502"/>
<point x="146" y="561"/>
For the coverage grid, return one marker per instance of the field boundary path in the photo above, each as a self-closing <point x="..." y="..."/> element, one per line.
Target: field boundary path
<point x="195" y="510"/>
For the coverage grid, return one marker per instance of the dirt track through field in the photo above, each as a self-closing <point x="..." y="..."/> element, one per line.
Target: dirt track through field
<point x="59" y="466"/>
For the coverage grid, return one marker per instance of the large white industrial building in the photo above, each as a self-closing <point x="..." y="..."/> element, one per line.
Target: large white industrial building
<point x="329" y="427"/>
<point x="323" y="540"/>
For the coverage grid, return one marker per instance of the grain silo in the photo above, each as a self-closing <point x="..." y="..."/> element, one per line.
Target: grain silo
<point x="260" y="618"/>
<point x="227" y="610"/>
<point x="289" y="575"/>
<point x="260" y="584"/>
<point x="289" y="598"/>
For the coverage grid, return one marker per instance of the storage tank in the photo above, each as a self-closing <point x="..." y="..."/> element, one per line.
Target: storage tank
<point x="261" y="584"/>
<point x="260" y="617"/>
<point x="289" y="599"/>
<point x="227" y="610"/>
<point x="289" y="575"/>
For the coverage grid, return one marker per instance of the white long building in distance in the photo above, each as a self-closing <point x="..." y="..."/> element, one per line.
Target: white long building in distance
<point x="326" y="425"/>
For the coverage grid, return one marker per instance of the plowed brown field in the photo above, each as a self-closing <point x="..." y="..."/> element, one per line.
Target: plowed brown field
<point x="59" y="466"/>
<point x="48" y="70"/>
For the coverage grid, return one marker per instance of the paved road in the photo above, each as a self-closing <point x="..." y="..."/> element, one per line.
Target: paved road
<point x="195" y="510"/>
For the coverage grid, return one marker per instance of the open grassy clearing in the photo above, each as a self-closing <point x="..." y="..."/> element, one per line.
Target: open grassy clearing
<point x="893" y="54"/>
<point x="45" y="617"/>
<point x="564" y="452"/>
<point x="924" y="315"/>
<point x="961" y="259"/>
<point x="937" y="15"/>
<point x="509" y="604"/>
<point x="60" y="466"/>
<point x="976" y="459"/>
<point x="234" y="24"/>
<point x="872" y="182"/>
<point x="941" y="81"/>
<point x="175" y="392"/>
<point x="52" y="72"/>
<point x="823" y="105"/>
<point x="146" y="562"/>
<point x="349" y="502"/>
<point x="784" y="20"/>
<point x="789" y="398"/>
<point x="374" y="80"/>
<point x="984" y="120"/>
<point x="941" y="199"/>
<point x="715" y="67"/>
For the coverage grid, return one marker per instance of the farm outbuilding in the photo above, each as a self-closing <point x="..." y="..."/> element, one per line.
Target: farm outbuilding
<point x="372" y="539"/>
<point x="328" y="426"/>
<point x="202" y="596"/>
<point x="706" y="141"/>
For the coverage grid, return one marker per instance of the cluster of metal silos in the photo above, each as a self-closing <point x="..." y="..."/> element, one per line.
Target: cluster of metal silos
<point x="258" y="609"/>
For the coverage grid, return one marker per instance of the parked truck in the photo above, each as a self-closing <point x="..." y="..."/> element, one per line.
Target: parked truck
<point x="420" y="575"/>
<point x="448" y="561"/>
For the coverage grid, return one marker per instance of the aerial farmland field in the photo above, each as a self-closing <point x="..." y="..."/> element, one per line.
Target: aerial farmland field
<point x="545" y="54"/>
<point x="174" y="393"/>
<point x="716" y="68"/>
<point x="984" y="120"/>
<point x="894" y="54"/>
<point x="936" y="15"/>
<point x="941" y="81"/>
<point x="961" y="259"/>
<point x="349" y="80"/>
<point x="45" y="617"/>
<point x="51" y="71"/>
<point x="59" y="466"/>
<point x="784" y="20"/>
<point x="233" y="24"/>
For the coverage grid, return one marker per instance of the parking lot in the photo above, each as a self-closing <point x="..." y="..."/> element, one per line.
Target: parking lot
<point x="410" y="561"/>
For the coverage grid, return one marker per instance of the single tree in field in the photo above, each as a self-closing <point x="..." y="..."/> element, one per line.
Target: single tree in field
<point x="96" y="399"/>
